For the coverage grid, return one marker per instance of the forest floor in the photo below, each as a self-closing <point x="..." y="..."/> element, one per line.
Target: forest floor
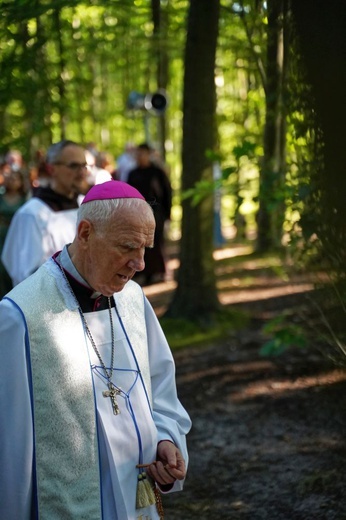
<point x="268" y="435"/>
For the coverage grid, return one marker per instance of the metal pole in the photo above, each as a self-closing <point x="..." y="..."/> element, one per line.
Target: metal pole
<point x="146" y="128"/>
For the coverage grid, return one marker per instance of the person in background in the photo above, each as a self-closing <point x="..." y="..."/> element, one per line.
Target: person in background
<point x="14" y="160"/>
<point x="96" y="174"/>
<point x="153" y="183"/>
<point x="105" y="161"/>
<point x="39" y="172"/>
<point x="12" y="198"/>
<point x="126" y="162"/>
<point x="91" y="424"/>
<point x="92" y="148"/>
<point x="48" y="219"/>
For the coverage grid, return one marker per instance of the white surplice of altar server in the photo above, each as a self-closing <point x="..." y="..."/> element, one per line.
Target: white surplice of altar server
<point x="48" y="219"/>
<point x="91" y="424"/>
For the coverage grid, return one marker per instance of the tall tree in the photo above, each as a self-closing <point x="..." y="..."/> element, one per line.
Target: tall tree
<point x="196" y="297"/>
<point x="271" y="211"/>
<point x="160" y="21"/>
<point x="60" y="77"/>
<point x="321" y="32"/>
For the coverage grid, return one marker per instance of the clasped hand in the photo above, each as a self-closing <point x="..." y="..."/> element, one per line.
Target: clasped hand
<point x="169" y="466"/>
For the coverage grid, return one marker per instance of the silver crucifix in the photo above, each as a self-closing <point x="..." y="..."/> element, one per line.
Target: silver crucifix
<point x="112" y="393"/>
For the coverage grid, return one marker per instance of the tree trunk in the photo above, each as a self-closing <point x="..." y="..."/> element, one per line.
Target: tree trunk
<point x="271" y="211"/>
<point x="60" y="78"/>
<point x="323" y="47"/>
<point x="196" y="294"/>
<point x="162" y="62"/>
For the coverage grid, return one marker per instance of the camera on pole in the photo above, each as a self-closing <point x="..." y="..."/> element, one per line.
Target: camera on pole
<point x="155" y="103"/>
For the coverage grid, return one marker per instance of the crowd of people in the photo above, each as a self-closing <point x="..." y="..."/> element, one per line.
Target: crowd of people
<point x="39" y="201"/>
<point x="92" y="426"/>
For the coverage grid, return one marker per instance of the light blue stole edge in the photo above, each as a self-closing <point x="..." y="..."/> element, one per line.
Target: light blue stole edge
<point x="65" y="430"/>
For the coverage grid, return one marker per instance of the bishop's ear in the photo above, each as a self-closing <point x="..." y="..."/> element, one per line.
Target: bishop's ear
<point x="84" y="231"/>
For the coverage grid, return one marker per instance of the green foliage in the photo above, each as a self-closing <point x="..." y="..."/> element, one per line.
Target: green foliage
<point x="200" y="191"/>
<point x="66" y="68"/>
<point x="246" y="148"/>
<point x="326" y="323"/>
<point x="316" y="217"/>
<point x="185" y="333"/>
<point x="232" y="181"/>
<point x="283" y="336"/>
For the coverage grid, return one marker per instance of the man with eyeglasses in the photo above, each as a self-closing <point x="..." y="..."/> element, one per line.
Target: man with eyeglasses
<point x="47" y="221"/>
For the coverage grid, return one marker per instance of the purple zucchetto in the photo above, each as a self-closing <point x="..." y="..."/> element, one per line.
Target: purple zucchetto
<point x="112" y="190"/>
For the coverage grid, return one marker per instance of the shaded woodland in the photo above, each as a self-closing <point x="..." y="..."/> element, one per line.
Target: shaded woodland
<point x="253" y="138"/>
<point x="254" y="91"/>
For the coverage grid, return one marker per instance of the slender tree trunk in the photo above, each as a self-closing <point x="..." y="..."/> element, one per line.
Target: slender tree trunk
<point x="43" y="100"/>
<point x="196" y="294"/>
<point x="161" y="56"/>
<point x="60" y="78"/>
<point x="271" y="212"/>
<point x="26" y="99"/>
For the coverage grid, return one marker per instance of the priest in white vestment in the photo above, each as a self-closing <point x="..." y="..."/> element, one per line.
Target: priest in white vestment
<point x="91" y="424"/>
<point x="47" y="221"/>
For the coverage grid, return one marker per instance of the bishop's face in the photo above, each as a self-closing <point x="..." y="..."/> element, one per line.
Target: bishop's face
<point x="111" y="258"/>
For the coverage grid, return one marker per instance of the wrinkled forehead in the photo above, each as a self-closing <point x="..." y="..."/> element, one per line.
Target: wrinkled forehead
<point x="131" y="227"/>
<point x="138" y="212"/>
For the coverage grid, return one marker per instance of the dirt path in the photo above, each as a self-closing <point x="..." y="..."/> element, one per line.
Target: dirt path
<point x="268" y="436"/>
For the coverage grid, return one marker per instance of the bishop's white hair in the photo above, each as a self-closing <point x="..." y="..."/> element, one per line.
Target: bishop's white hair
<point x="100" y="212"/>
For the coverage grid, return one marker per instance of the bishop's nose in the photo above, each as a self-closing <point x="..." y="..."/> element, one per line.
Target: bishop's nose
<point x="137" y="262"/>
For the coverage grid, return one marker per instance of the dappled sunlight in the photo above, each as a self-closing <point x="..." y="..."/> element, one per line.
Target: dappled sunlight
<point x="260" y="263"/>
<point x="231" y="252"/>
<point x="172" y="264"/>
<point x="256" y="283"/>
<point x="250" y="280"/>
<point x="230" y="291"/>
<point x="159" y="288"/>
<point x="276" y="388"/>
<point x="242" y="382"/>
<point x="248" y="294"/>
<point x="239" y="269"/>
<point x="159" y="295"/>
<point x="232" y="371"/>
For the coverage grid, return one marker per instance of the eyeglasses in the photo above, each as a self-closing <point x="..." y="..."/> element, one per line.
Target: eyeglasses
<point x="75" y="166"/>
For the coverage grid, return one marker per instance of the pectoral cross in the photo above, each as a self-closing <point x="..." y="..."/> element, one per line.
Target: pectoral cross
<point x="112" y="393"/>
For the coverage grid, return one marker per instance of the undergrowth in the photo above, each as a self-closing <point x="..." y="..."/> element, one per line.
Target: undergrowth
<point x="184" y="333"/>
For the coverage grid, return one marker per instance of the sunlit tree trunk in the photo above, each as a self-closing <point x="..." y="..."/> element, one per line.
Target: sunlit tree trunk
<point x="196" y="295"/>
